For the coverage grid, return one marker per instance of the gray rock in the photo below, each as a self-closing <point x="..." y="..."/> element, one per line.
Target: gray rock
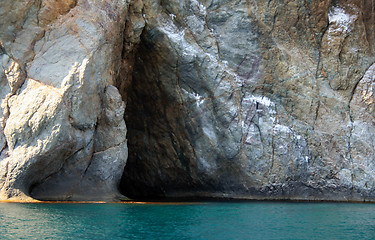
<point x="229" y="99"/>
<point x="57" y="100"/>
<point x="252" y="99"/>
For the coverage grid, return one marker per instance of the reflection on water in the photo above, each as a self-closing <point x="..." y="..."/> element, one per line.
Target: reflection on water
<point x="254" y="220"/>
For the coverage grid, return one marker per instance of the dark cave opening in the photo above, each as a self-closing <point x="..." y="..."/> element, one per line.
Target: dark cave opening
<point x="160" y="156"/>
<point x="143" y="100"/>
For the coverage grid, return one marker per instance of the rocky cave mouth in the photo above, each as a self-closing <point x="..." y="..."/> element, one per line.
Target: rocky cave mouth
<point x="161" y="162"/>
<point x="137" y="105"/>
<point x="159" y="154"/>
<point x="220" y="100"/>
<point x="144" y="102"/>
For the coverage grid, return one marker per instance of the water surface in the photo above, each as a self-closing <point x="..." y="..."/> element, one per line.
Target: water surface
<point x="207" y="220"/>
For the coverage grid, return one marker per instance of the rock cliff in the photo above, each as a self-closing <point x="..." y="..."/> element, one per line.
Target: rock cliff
<point x="63" y="136"/>
<point x="231" y="99"/>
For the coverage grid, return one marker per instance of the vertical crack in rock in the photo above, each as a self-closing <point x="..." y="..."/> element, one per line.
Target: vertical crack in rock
<point x="132" y="31"/>
<point x="90" y="156"/>
<point x="3" y="148"/>
<point x="15" y="77"/>
<point x="351" y="126"/>
<point x="367" y="75"/>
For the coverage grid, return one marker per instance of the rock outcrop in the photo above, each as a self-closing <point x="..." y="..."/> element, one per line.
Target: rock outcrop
<point x="230" y="99"/>
<point x="253" y="99"/>
<point x="63" y="135"/>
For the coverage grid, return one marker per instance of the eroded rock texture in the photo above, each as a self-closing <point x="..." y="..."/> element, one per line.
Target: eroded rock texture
<point x="241" y="99"/>
<point x="63" y="135"/>
<point x="253" y="99"/>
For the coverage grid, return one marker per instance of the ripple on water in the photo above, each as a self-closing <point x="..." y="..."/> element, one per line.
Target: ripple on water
<point x="209" y="220"/>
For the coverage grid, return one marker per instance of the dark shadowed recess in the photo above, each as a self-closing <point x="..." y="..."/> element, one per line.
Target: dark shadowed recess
<point x="161" y="161"/>
<point x="153" y="118"/>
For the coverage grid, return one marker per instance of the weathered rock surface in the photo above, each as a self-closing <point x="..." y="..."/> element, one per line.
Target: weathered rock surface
<point x="240" y="99"/>
<point x="57" y="100"/>
<point x="253" y="99"/>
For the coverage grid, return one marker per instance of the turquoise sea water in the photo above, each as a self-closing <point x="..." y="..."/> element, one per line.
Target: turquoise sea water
<point x="206" y="220"/>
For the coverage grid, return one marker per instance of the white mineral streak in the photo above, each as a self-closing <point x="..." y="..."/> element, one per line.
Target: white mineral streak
<point x="177" y="36"/>
<point x="340" y="22"/>
<point x="199" y="100"/>
<point x="261" y="100"/>
<point x="340" y="18"/>
<point x="198" y="7"/>
<point x="281" y="128"/>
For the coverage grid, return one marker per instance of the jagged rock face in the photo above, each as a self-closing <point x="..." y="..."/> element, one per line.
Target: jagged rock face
<point x="63" y="135"/>
<point x="241" y="99"/>
<point x="253" y="99"/>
